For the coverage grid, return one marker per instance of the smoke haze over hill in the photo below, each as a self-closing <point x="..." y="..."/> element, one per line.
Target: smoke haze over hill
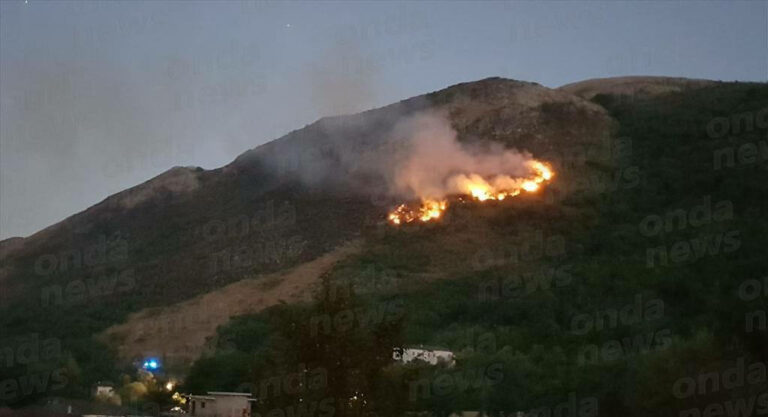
<point x="433" y="164"/>
<point x="100" y="97"/>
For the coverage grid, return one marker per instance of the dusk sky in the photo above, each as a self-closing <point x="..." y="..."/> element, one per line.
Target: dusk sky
<point x="96" y="97"/>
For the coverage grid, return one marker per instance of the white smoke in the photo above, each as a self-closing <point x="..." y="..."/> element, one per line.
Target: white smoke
<point x="433" y="164"/>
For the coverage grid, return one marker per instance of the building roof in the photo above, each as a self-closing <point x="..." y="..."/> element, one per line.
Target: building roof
<point x="201" y="397"/>
<point x="213" y="394"/>
<point x="104" y="384"/>
<point x="428" y="348"/>
<point x="221" y="393"/>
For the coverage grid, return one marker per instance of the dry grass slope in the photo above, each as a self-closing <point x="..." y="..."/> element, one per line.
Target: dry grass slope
<point x="183" y="331"/>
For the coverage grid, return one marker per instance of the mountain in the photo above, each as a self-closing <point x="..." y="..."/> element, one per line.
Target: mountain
<point x="634" y="86"/>
<point x="291" y="191"/>
<point x="216" y="271"/>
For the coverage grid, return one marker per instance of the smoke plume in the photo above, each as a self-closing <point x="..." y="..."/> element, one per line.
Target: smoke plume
<point x="432" y="163"/>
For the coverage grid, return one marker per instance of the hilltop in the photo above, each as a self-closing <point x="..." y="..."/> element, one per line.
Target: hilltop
<point x="253" y="241"/>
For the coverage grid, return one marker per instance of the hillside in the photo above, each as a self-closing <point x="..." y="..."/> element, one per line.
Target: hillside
<point x="638" y="86"/>
<point x="603" y="302"/>
<point x="182" y="332"/>
<point x="190" y="231"/>
<point x="518" y="271"/>
<point x="292" y="199"/>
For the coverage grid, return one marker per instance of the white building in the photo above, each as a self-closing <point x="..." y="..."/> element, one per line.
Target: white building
<point x="103" y="389"/>
<point x="220" y="404"/>
<point x="431" y="356"/>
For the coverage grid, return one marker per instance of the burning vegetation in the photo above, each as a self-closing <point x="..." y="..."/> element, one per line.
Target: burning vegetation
<point x="476" y="186"/>
<point x="428" y="209"/>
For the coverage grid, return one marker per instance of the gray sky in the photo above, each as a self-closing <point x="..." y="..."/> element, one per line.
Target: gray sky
<point x="98" y="97"/>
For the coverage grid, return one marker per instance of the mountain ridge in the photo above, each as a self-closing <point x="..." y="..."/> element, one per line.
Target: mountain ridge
<point x="573" y="88"/>
<point x="323" y="171"/>
<point x="272" y="225"/>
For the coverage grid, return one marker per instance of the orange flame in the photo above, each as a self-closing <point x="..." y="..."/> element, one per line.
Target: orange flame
<point x="428" y="210"/>
<point x="481" y="189"/>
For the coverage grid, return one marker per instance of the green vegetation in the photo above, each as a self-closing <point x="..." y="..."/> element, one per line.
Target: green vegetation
<point x="518" y="290"/>
<point x="542" y="331"/>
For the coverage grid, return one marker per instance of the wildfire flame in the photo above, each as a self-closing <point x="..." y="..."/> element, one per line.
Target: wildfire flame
<point x="479" y="188"/>
<point x="428" y="210"/>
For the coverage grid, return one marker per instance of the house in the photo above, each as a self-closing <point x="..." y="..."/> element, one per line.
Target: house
<point x="105" y="389"/>
<point x="220" y="404"/>
<point x="431" y="356"/>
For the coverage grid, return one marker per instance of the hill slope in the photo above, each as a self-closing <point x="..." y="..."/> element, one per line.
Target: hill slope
<point x="632" y="86"/>
<point x="190" y="231"/>
<point x="289" y="201"/>
<point x="605" y="300"/>
<point x="519" y="269"/>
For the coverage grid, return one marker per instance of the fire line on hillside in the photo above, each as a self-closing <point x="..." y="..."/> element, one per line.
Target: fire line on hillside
<point x="497" y="187"/>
